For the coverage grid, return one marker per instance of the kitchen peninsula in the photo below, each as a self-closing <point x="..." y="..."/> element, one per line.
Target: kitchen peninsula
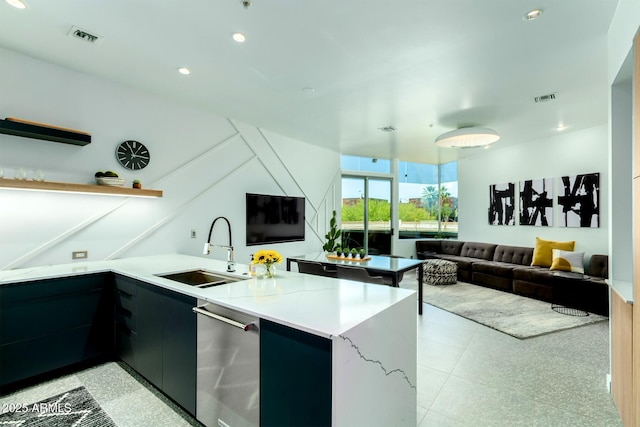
<point x="368" y="333"/>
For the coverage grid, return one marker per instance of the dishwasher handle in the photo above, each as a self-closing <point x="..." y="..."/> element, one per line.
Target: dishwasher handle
<point x="245" y="327"/>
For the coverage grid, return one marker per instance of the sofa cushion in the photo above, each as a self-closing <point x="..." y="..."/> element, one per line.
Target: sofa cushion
<point x="428" y="247"/>
<point x="494" y="268"/>
<point x="542" y="255"/>
<point x="567" y="261"/>
<point x="451" y="247"/>
<point x="478" y="250"/>
<point x="598" y="266"/>
<point x="513" y="254"/>
<point x="539" y="291"/>
<point x="464" y="263"/>
<point x="533" y="274"/>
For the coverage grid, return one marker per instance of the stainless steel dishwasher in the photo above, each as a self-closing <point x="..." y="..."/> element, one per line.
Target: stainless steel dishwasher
<point x="228" y="367"/>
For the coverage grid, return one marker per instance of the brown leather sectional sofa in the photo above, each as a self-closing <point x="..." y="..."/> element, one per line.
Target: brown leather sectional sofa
<point x="508" y="268"/>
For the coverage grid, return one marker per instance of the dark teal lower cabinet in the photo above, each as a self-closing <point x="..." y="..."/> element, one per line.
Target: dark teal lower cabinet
<point x="150" y="323"/>
<point x="295" y="377"/>
<point x="155" y="334"/>
<point x="179" y="351"/>
<point x="51" y="324"/>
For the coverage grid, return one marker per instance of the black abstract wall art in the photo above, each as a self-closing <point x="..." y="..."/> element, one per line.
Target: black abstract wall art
<point x="502" y="204"/>
<point x="536" y="202"/>
<point x="580" y="200"/>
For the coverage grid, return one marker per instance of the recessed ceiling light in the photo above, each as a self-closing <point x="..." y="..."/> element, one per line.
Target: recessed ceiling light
<point x="308" y="89"/>
<point x="184" y="70"/>
<point x="239" y="37"/>
<point x="532" y="14"/>
<point x="561" y="127"/>
<point x="18" y="4"/>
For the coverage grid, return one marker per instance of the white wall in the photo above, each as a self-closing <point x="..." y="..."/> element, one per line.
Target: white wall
<point x="205" y="164"/>
<point x="621" y="185"/>
<point x="568" y="153"/>
<point x="624" y="25"/>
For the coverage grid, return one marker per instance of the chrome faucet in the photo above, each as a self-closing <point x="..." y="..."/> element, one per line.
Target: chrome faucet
<point x="231" y="264"/>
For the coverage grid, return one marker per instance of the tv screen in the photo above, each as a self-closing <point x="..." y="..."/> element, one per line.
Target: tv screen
<point x="274" y="219"/>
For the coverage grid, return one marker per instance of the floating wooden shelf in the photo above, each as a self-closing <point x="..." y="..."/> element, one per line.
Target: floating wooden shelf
<point x="77" y="188"/>
<point x="34" y="130"/>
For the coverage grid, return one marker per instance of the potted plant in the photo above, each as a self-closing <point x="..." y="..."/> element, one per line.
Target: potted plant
<point x="363" y="253"/>
<point x="333" y="236"/>
<point x="346" y="251"/>
<point x="339" y="251"/>
<point x="137" y="183"/>
<point x="354" y="253"/>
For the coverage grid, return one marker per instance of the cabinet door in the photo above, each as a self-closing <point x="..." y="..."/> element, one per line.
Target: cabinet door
<point x="155" y="334"/>
<point x="295" y="377"/>
<point x="150" y="321"/>
<point x="125" y="303"/>
<point x="50" y="324"/>
<point x="179" y="350"/>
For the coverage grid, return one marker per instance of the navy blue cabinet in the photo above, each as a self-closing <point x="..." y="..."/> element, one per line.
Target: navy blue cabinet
<point x="155" y="334"/>
<point x="50" y="324"/>
<point x="179" y="350"/>
<point x="295" y="377"/>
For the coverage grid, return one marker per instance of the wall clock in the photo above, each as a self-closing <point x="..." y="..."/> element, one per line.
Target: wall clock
<point x="132" y="155"/>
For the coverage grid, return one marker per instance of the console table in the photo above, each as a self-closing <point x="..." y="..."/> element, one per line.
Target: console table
<point x="391" y="267"/>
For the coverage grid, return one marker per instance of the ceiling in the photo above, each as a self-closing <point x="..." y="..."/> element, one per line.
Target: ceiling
<point x="423" y="67"/>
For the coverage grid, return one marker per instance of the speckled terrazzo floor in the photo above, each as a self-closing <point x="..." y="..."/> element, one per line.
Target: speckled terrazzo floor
<point x="468" y="375"/>
<point x="471" y="375"/>
<point x="128" y="399"/>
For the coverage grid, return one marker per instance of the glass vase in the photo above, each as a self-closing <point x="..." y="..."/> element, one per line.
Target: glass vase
<point x="269" y="271"/>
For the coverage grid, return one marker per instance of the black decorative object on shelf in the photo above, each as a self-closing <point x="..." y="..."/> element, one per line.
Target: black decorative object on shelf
<point x="27" y="129"/>
<point x="133" y="155"/>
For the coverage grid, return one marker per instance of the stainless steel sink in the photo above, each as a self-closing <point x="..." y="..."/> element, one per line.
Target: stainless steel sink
<point x="200" y="278"/>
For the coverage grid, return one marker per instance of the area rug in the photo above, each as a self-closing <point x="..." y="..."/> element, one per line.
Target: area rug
<point x="511" y="314"/>
<point x="75" y="408"/>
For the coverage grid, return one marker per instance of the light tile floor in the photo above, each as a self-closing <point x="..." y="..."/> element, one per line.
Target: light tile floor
<point x="472" y="375"/>
<point x="468" y="375"/>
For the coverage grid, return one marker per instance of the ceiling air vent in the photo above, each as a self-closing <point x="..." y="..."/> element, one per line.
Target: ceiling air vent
<point x="81" y="34"/>
<point x="545" y="98"/>
<point x="388" y="128"/>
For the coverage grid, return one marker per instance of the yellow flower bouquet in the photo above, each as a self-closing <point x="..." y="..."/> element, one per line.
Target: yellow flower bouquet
<point x="269" y="258"/>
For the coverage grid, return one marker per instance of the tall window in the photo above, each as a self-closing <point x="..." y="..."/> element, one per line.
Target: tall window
<point x="366" y="204"/>
<point x="428" y="200"/>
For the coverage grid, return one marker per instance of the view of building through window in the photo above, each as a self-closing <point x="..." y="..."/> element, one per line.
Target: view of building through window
<point x="427" y="205"/>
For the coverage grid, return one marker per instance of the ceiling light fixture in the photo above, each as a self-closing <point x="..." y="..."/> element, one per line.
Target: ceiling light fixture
<point x="239" y="37"/>
<point x="561" y="127"/>
<point x="532" y="15"/>
<point x="184" y="70"/>
<point x="467" y="137"/>
<point x="18" y="4"/>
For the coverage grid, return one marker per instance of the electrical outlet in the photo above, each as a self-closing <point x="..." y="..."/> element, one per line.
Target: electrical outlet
<point x="79" y="254"/>
<point x="193" y="234"/>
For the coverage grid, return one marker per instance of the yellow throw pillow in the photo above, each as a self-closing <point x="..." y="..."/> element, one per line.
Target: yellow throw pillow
<point x="568" y="261"/>
<point x="542" y="253"/>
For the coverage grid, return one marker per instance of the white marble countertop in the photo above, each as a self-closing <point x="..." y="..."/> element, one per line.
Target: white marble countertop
<point x="318" y="305"/>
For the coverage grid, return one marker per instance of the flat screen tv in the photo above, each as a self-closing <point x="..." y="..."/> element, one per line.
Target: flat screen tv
<point x="274" y="219"/>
